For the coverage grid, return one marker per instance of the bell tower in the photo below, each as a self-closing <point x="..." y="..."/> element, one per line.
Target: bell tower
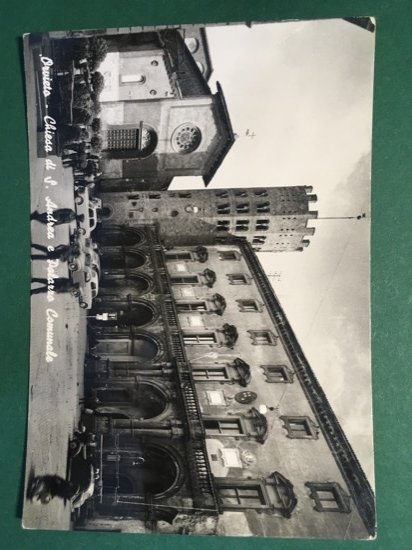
<point x="272" y="219"/>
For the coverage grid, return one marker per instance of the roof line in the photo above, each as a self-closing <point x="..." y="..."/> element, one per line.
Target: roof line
<point x="230" y="140"/>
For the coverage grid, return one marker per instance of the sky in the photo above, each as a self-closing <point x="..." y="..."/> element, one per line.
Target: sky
<point x="305" y="90"/>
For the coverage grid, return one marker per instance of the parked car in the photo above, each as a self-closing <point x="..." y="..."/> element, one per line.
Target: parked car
<point x="85" y="272"/>
<point x="88" y="207"/>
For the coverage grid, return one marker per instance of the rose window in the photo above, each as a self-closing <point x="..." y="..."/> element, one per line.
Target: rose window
<point x="186" y="138"/>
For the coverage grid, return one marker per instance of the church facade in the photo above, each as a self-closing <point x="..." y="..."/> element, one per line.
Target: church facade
<point x="159" y="117"/>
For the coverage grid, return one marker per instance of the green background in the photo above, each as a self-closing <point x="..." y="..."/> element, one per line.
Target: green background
<point x="391" y="250"/>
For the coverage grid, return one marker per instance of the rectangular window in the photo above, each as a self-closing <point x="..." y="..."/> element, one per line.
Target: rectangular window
<point x="223" y="208"/>
<point x="263" y="337"/>
<point x="300" y="427"/>
<point x="178" y="256"/>
<point x="228" y="255"/>
<point x="238" y="279"/>
<point x="202" y="338"/>
<point x="223" y="426"/>
<point x="191" y="306"/>
<point x="242" y="208"/>
<point x="263" y="208"/>
<point x="248" y="305"/>
<point x="223" y="225"/>
<point x="262" y="225"/>
<point x="242" y="225"/>
<point x="184" y="280"/>
<point x="122" y="139"/>
<point x="240" y="193"/>
<point x="210" y="373"/>
<point x="222" y="194"/>
<point x="248" y="496"/>
<point x="329" y="497"/>
<point x="259" y="239"/>
<point x="278" y="374"/>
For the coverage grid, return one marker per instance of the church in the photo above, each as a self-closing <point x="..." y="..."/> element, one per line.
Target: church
<point x="160" y="119"/>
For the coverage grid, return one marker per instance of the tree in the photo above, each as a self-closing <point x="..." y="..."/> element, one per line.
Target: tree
<point x="80" y="49"/>
<point x="96" y="107"/>
<point x="72" y="133"/>
<point x="97" y="51"/>
<point x="96" y="125"/>
<point x="82" y="116"/>
<point x="97" y="143"/>
<point x="82" y="100"/>
<point x="80" y="88"/>
<point x="97" y="82"/>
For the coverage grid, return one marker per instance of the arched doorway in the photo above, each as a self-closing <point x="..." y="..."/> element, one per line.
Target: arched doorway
<point x="132" y="284"/>
<point x="144" y="401"/>
<point x="143" y="347"/>
<point x="114" y="236"/>
<point x="124" y="313"/>
<point x="158" y="472"/>
<point x="117" y="258"/>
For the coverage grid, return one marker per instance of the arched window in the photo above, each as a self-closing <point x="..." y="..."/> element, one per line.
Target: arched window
<point x="192" y="44"/>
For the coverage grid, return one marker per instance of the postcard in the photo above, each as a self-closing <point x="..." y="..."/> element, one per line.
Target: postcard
<point x="200" y="310"/>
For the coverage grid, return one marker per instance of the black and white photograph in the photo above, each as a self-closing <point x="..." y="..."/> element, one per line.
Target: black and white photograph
<point x="200" y="358"/>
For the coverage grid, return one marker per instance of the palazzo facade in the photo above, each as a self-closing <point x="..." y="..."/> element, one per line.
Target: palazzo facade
<point x="209" y="418"/>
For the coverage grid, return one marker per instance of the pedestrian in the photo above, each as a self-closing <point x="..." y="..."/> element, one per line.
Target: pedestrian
<point x="60" y="285"/>
<point x="62" y="252"/>
<point x="57" y="217"/>
<point x="44" y="488"/>
<point x="80" y="163"/>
